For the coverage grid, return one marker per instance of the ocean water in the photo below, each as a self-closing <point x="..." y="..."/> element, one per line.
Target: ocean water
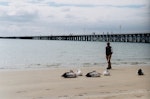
<point x="24" y="54"/>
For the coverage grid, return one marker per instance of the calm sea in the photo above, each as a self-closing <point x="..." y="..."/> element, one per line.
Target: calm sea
<point x="21" y="54"/>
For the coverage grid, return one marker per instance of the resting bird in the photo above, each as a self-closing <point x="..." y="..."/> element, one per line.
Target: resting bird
<point x="106" y="73"/>
<point x="69" y="74"/>
<point x="93" y="74"/>
<point x="140" y="72"/>
<point x="78" y="72"/>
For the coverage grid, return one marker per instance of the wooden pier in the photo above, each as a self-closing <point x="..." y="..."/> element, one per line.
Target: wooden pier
<point x="136" y="37"/>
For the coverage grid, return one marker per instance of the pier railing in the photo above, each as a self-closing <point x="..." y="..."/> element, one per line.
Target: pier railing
<point x="139" y="37"/>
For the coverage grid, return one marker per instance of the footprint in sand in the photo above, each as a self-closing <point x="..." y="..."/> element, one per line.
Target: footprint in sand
<point x="79" y="88"/>
<point x="23" y="91"/>
<point x="101" y="86"/>
<point x="138" y="96"/>
<point x="48" y="89"/>
<point x="65" y="96"/>
<point x="81" y="94"/>
<point x="38" y="98"/>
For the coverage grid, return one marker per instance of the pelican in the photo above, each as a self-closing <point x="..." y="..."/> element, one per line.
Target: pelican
<point x="69" y="74"/>
<point x="93" y="74"/>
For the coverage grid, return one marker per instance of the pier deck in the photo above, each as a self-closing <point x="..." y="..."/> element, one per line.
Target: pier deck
<point x="137" y="37"/>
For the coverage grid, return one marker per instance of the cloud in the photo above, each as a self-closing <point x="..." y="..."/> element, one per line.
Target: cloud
<point x="4" y="3"/>
<point x="18" y="12"/>
<point x="73" y="16"/>
<point x="18" y="17"/>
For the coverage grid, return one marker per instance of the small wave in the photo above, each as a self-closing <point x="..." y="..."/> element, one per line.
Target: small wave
<point x="86" y="64"/>
<point x="137" y="63"/>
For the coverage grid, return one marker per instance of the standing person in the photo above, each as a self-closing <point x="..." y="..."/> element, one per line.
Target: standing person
<point x="108" y="55"/>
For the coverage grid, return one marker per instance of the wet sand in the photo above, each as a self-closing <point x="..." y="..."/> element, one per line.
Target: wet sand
<point x="124" y="83"/>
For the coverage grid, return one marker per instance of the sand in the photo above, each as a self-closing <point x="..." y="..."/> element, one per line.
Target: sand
<point x="124" y="83"/>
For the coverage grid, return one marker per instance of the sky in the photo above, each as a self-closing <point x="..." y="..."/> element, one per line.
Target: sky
<point x="65" y="17"/>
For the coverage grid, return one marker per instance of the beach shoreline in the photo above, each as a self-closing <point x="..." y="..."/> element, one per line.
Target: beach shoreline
<point x="123" y="83"/>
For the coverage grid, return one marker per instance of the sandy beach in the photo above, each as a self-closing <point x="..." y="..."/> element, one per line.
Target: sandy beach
<point x="124" y="83"/>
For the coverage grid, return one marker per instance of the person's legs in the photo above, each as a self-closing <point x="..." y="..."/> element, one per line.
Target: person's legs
<point x="109" y="65"/>
<point x="109" y="62"/>
<point x="107" y="57"/>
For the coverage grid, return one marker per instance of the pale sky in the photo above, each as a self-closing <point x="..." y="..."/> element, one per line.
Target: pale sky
<point x="64" y="17"/>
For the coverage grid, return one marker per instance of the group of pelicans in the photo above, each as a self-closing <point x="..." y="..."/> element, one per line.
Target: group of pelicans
<point x="72" y="74"/>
